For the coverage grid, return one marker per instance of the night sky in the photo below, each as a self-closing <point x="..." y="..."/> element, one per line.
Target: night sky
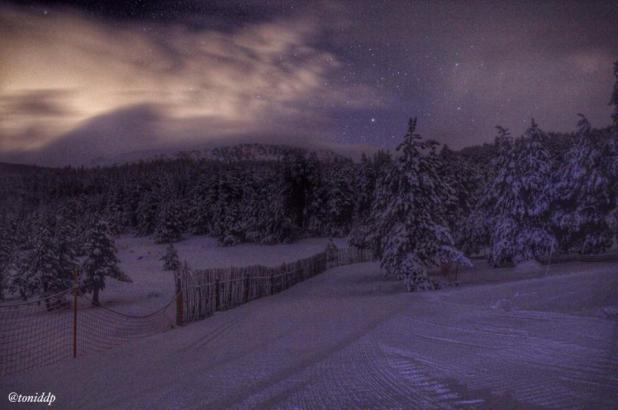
<point x="100" y="78"/>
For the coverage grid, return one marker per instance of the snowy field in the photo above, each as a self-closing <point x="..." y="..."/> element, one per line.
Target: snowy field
<point x="152" y="287"/>
<point x="349" y="339"/>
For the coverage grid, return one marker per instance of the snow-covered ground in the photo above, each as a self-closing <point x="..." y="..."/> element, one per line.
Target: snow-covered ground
<point x="350" y="339"/>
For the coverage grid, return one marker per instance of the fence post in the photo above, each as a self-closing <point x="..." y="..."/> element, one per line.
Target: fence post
<point x="217" y="297"/>
<point x="179" y="300"/>
<point x="283" y="278"/>
<point x="272" y="283"/>
<point x="246" y="287"/>
<point x="75" y="290"/>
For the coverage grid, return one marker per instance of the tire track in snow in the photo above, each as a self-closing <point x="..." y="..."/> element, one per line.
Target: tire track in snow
<point x="538" y="361"/>
<point x="305" y="362"/>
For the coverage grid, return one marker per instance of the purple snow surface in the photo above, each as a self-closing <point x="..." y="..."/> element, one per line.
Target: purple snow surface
<point x="348" y="339"/>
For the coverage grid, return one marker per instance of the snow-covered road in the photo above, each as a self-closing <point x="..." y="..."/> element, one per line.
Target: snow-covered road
<point x="348" y="339"/>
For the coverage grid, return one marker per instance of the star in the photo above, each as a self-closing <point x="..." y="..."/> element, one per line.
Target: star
<point x="373" y="119"/>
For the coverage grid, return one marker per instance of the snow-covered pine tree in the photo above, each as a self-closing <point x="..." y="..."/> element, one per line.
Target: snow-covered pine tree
<point x="170" y="259"/>
<point x="583" y="193"/>
<point x="42" y="271"/>
<point x="516" y="203"/>
<point x="409" y="214"/>
<point x="169" y="224"/>
<point x="475" y="231"/>
<point x="465" y="181"/>
<point x="448" y="172"/>
<point x="101" y="260"/>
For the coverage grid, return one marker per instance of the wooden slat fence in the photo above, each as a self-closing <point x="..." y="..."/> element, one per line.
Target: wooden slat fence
<point x="610" y="256"/>
<point x="203" y="292"/>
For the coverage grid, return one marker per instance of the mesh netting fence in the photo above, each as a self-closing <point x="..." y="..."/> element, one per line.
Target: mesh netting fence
<point x="61" y="326"/>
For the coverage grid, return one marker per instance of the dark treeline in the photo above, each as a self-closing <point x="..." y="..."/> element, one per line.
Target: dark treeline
<point x="264" y="201"/>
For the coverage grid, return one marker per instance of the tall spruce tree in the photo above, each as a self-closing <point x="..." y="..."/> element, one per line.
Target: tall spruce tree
<point x="410" y="215"/>
<point x="479" y="224"/>
<point x="101" y="260"/>
<point x="516" y="203"/>
<point x="583" y="193"/>
<point x="464" y="182"/>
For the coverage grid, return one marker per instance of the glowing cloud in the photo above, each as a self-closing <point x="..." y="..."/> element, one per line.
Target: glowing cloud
<point x="59" y="72"/>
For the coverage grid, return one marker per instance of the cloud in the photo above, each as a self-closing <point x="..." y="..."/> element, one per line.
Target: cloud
<point x="40" y="112"/>
<point x="61" y="70"/>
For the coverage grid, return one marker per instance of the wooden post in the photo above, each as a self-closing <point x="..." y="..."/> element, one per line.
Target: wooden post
<point x="272" y="283"/>
<point x="217" y="297"/>
<point x="283" y="276"/>
<point x="75" y="290"/>
<point x="179" y="300"/>
<point x="246" y="287"/>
